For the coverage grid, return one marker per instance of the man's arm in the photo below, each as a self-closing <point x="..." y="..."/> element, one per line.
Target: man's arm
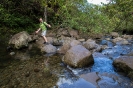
<point x="38" y="30"/>
<point x="47" y="24"/>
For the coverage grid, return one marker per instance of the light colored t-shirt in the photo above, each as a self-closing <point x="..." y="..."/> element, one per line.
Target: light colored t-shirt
<point x="43" y="26"/>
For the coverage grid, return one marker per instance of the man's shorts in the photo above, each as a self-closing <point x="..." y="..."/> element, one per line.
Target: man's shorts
<point x="44" y="33"/>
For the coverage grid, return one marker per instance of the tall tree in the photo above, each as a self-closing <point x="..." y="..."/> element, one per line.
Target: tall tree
<point x="121" y="11"/>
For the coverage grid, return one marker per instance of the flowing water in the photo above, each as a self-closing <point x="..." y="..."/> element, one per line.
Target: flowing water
<point x="45" y="71"/>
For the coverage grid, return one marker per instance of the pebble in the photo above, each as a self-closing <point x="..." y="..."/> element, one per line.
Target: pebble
<point x="12" y="53"/>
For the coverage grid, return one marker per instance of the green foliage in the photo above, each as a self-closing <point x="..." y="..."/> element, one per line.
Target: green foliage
<point x="17" y="14"/>
<point x="121" y="12"/>
<point x="87" y="17"/>
<point x="76" y="14"/>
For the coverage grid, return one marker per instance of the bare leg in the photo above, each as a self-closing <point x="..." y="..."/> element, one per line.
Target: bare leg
<point x="45" y="39"/>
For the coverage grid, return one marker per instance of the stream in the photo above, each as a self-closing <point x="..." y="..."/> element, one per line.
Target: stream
<point x="39" y="70"/>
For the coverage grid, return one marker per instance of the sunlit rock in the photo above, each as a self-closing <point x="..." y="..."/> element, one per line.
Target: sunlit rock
<point x="81" y="40"/>
<point x="129" y="37"/>
<point x="120" y="40"/>
<point x="78" y="56"/>
<point x="20" y="40"/>
<point x="12" y="53"/>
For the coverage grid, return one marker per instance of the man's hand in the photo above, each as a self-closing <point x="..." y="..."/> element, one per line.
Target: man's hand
<point x="49" y="25"/>
<point x="36" y="32"/>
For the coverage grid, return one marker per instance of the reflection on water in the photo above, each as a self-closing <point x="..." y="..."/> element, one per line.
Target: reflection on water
<point x="80" y="83"/>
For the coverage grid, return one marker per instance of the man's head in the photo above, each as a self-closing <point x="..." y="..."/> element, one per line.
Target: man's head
<point x="40" y="20"/>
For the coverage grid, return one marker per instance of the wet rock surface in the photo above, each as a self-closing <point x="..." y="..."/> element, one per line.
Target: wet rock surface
<point x="124" y="63"/>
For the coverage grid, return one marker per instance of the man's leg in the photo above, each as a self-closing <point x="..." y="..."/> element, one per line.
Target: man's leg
<point x="45" y="39"/>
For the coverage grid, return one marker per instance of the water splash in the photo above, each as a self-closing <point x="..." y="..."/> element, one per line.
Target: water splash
<point x="102" y="63"/>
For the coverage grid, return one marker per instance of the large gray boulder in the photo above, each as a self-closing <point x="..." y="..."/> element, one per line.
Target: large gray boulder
<point x="125" y="64"/>
<point x="49" y="48"/>
<point x="78" y="56"/>
<point x="92" y="45"/>
<point x="20" y="40"/>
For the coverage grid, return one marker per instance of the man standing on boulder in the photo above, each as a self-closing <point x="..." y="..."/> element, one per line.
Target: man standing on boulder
<point x="43" y="28"/>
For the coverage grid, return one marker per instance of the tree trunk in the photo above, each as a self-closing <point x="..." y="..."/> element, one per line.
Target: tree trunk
<point x="45" y="14"/>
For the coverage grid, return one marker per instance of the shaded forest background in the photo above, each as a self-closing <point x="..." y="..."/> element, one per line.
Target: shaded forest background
<point x="18" y="15"/>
